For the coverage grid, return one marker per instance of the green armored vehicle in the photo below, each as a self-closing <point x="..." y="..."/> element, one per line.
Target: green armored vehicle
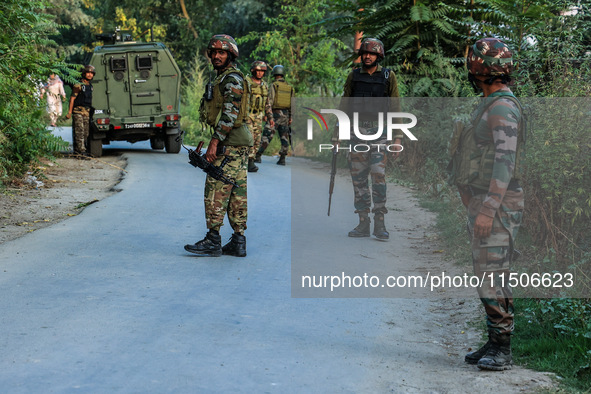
<point x="136" y="94"/>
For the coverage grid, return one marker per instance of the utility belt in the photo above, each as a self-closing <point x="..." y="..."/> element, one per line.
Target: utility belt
<point x="370" y="128"/>
<point x="82" y="110"/>
<point x="514" y="186"/>
<point x="232" y="150"/>
<point x="368" y="124"/>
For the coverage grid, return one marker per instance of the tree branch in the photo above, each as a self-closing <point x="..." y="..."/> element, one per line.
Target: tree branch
<point x="186" y="15"/>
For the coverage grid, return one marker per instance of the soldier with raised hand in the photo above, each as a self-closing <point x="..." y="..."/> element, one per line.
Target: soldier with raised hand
<point x="259" y="90"/>
<point x="226" y="113"/>
<point x="279" y="113"/>
<point x="81" y="108"/>
<point x="494" y="198"/>
<point x="371" y="80"/>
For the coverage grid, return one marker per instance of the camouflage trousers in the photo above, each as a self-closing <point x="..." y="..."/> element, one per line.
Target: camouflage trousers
<point x="255" y="124"/>
<point x="281" y="119"/>
<point x="221" y="198"/>
<point x="362" y="165"/>
<point x="81" y="126"/>
<point x="491" y="258"/>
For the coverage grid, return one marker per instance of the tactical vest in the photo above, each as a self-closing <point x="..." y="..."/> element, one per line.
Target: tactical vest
<point x="84" y="97"/>
<point x="258" y="96"/>
<point x="282" y="95"/>
<point x="240" y="135"/>
<point x="374" y="85"/>
<point x="471" y="165"/>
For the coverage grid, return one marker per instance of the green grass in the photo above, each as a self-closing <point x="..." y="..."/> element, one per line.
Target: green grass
<point x="555" y="336"/>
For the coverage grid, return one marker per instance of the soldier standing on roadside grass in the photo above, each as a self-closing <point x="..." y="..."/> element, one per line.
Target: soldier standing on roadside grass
<point x="226" y="113"/>
<point x="259" y="90"/>
<point x="494" y="199"/>
<point x="81" y="108"/>
<point x="371" y="80"/>
<point x="279" y="113"/>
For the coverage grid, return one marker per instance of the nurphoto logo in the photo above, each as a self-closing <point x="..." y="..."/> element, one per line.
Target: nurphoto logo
<point x="372" y="134"/>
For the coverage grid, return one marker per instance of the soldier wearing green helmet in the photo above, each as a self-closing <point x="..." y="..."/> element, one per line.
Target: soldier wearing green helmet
<point x="259" y="90"/>
<point x="279" y="112"/>
<point x="370" y="80"/>
<point x="487" y="176"/>
<point x="226" y="113"/>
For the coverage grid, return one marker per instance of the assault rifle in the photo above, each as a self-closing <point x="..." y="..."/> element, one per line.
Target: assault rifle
<point x="333" y="171"/>
<point x="216" y="172"/>
<point x="290" y="143"/>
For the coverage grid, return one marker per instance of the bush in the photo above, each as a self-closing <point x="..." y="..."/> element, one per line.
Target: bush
<point x="23" y="65"/>
<point x="193" y="89"/>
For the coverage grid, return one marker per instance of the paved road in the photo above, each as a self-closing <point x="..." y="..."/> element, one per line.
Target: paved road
<point x="108" y="301"/>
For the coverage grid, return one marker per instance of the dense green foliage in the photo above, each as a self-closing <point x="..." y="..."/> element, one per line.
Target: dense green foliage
<point x="302" y="46"/>
<point x="24" y="64"/>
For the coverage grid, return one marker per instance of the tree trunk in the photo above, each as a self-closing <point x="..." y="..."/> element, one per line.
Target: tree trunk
<point x="186" y="15"/>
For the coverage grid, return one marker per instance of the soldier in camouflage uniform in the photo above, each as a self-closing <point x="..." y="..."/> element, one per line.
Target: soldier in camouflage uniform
<point x="81" y="108"/>
<point x="259" y="90"/>
<point x="226" y="113"/>
<point x="371" y="80"/>
<point x="494" y="199"/>
<point x="279" y="114"/>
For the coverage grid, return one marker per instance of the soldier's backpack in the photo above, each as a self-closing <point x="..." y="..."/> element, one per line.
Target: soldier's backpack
<point x="471" y="165"/>
<point x="282" y="95"/>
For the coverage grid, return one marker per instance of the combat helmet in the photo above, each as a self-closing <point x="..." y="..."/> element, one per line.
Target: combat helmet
<point x="223" y="42"/>
<point x="490" y="56"/>
<point x="89" y="69"/>
<point x="372" y="45"/>
<point x="258" y="65"/>
<point x="278" y="70"/>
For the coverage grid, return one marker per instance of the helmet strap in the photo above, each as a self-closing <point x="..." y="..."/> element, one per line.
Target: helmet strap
<point x="374" y="64"/>
<point x="473" y="80"/>
<point x="228" y="61"/>
<point x="504" y="79"/>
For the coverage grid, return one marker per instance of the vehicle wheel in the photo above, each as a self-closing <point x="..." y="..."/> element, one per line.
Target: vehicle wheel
<point x="95" y="147"/>
<point x="156" y="143"/>
<point x="171" y="143"/>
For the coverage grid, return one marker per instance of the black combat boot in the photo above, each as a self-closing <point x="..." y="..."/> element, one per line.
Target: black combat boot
<point x="236" y="246"/>
<point x="498" y="356"/>
<point x="210" y="246"/>
<point x="281" y="161"/>
<point x="379" y="229"/>
<point x="474" y="357"/>
<point x="251" y="166"/>
<point x="257" y="158"/>
<point x="362" y="229"/>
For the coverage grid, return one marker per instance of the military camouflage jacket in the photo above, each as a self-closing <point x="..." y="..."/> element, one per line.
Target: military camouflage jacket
<point x="499" y="125"/>
<point x="232" y="89"/>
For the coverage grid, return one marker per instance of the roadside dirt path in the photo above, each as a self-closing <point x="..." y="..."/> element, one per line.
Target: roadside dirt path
<point x="425" y="335"/>
<point x="59" y="190"/>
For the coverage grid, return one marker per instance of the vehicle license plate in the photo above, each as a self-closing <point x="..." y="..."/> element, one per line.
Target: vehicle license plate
<point x="138" y="125"/>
